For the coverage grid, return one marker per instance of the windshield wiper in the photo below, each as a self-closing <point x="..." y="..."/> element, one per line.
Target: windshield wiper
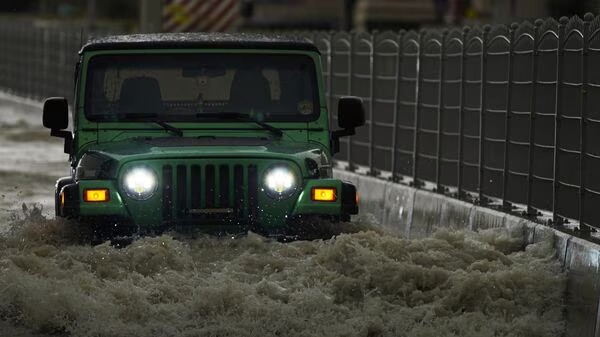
<point x="153" y="118"/>
<point x="243" y="117"/>
<point x="169" y="127"/>
<point x="277" y="132"/>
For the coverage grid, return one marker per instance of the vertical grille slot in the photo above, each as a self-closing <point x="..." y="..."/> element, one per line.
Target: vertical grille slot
<point x="201" y="186"/>
<point x="167" y="201"/>
<point x="195" y="185"/>
<point x="252" y="192"/>
<point x="224" y="186"/>
<point x="238" y="190"/>
<point x="209" y="182"/>
<point x="181" y="189"/>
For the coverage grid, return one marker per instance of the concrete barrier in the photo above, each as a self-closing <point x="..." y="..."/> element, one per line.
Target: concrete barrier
<point x="413" y="213"/>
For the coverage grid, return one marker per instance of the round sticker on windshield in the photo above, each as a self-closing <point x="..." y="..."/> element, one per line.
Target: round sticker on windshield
<point x="305" y="107"/>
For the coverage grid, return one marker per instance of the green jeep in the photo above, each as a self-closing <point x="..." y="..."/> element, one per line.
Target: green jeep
<point x="220" y="133"/>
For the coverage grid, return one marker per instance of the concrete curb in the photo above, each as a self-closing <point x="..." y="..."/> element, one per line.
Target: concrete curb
<point x="413" y="213"/>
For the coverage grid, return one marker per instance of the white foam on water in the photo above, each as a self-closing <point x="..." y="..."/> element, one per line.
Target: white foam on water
<point x="359" y="284"/>
<point x="31" y="160"/>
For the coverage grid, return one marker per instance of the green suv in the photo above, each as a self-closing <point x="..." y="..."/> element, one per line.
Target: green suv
<point x="220" y="133"/>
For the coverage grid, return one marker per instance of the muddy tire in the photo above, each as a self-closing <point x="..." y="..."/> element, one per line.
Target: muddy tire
<point x="118" y="235"/>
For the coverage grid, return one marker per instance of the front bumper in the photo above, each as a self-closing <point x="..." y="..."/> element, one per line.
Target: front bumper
<point x="265" y="212"/>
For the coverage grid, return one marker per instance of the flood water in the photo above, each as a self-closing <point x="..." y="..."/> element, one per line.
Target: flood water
<point x="368" y="283"/>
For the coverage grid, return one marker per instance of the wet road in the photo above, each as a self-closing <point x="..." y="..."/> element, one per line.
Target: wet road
<point x="30" y="160"/>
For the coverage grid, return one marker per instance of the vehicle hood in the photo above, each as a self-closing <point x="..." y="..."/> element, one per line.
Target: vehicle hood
<point x="110" y="156"/>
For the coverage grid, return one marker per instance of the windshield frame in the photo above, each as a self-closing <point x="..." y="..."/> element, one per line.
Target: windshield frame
<point x="185" y="119"/>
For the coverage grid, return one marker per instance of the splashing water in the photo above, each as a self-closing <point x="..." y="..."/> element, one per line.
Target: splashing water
<point x="359" y="284"/>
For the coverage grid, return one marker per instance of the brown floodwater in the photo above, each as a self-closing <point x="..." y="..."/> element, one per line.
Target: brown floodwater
<point x="367" y="283"/>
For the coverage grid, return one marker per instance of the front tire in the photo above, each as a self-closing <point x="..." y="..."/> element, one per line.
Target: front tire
<point x="98" y="232"/>
<point x="60" y="183"/>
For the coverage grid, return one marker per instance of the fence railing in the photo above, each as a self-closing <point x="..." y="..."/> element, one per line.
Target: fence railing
<point x="504" y="116"/>
<point x="37" y="60"/>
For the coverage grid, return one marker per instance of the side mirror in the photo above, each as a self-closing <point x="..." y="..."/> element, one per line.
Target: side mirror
<point x="56" y="118"/>
<point x="351" y="114"/>
<point x="56" y="113"/>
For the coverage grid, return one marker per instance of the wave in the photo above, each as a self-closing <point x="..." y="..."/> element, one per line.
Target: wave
<point x="366" y="283"/>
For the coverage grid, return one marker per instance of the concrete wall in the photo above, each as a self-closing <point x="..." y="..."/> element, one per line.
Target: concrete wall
<point x="413" y="213"/>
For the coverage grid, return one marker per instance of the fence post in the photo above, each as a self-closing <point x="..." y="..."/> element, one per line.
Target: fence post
<point x="27" y="56"/>
<point x="330" y="79"/>
<point x="46" y="75"/>
<point x="36" y="63"/>
<point x="587" y="19"/>
<point x="351" y="167"/>
<point x="506" y="205"/>
<point x="372" y="171"/>
<point x="417" y="112"/>
<point x="534" y="73"/>
<point x="440" y="112"/>
<point x="397" y="96"/>
<point x="64" y="66"/>
<point x="486" y="30"/>
<point x="3" y="55"/>
<point x="562" y="22"/>
<point x="461" y="111"/>
<point x="20" y="78"/>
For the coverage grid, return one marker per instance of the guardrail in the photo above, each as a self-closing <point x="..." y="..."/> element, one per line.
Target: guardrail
<point x="503" y="116"/>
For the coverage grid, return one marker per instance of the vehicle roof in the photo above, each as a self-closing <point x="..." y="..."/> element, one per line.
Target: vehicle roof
<point x="199" y="40"/>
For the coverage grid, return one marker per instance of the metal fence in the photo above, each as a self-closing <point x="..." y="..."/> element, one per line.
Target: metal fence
<point x="502" y="116"/>
<point x="505" y="116"/>
<point x="37" y="60"/>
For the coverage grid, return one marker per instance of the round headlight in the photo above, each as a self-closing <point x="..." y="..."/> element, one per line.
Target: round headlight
<point x="140" y="183"/>
<point x="280" y="182"/>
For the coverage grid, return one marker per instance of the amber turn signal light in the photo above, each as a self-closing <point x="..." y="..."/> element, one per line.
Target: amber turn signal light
<point x="96" y="195"/>
<point x="324" y="194"/>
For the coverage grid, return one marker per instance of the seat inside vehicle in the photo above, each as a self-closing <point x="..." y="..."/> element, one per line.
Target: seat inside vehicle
<point x="141" y="95"/>
<point x="249" y="90"/>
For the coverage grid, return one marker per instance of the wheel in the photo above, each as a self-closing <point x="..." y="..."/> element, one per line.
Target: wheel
<point x="60" y="183"/>
<point x="313" y="227"/>
<point x="99" y="232"/>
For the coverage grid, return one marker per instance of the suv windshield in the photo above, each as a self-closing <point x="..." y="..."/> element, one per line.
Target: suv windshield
<point x="197" y="87"/>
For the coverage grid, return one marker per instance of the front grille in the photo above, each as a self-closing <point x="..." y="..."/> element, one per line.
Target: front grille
<point x="209" y="191"/>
